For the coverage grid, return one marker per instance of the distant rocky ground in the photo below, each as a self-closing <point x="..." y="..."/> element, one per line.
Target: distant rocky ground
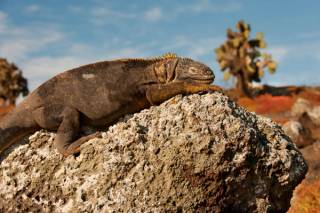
<point x="304" y="129"/>
<point x="193" y="153"/>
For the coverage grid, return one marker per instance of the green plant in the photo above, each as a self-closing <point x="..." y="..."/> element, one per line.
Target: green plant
<point x="12" y="83"/>
<point x="239" y="56"/>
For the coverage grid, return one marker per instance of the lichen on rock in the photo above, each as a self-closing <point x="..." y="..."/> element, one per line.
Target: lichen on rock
<point x="191" y="153"/>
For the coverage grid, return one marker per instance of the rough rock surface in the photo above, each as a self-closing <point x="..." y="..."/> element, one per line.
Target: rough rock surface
<point x="308" y="115"/>
<point x="312" y="156"/>
<point x="192" y="153"/>
<point x="303" y="106"/>
<point x="300" y="107"/>
<point x="298" y="134"/>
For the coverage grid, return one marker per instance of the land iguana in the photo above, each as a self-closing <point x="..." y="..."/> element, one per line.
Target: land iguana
<point x="98" y="94"/>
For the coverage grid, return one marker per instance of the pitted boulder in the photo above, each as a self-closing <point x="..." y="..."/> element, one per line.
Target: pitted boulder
<point x="191" y="153"/>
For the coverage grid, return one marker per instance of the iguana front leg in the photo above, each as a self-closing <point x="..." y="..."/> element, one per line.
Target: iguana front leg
<point x="161" y="92"/>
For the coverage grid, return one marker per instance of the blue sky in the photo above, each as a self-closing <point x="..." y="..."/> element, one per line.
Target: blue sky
<point x="47" y="37"/>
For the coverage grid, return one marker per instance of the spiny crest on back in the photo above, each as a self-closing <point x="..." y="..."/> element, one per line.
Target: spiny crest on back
<point x="165" y="56"/>
<point x="169" y="55"/>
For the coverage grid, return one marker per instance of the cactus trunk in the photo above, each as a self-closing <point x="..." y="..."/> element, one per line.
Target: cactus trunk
<point x="242" y="84"/>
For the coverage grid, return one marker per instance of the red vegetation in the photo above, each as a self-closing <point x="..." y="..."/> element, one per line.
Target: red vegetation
<point x="268" y="104"/>
<point x="275" y="107"/>
<point x="278" y="107"/>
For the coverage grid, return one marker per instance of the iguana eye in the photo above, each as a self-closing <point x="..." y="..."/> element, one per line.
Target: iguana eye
<point x="193" y="70"/>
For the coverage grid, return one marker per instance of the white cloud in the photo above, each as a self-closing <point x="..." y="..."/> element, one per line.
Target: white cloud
<point x="279" y="52"/>
<point x="314" y="51"/>
<point x="153" y="14"/>
<point x="40" y="69"/>
<point x="17" y="46"/>
<point x="194" y="47"/>
<point x="309" y="35"/>
<point x="102" y="12"/>
<point x="23" y="45"/>
<point x="18" y="42"/>
<point x="302" y="50"/>
<point x="296" y="54"/>
<point x="208" y="6"/>
<point x="3" y="16"/>
<point x="37" y="70"/>
<point x="125" y="53"/>
<point x="33" y="8"/>
<point x="46" y="66"/>
<point x="76" y="48"/>
<point x="3" y="20"/>
<point x="104" y="15"/>
<point x="75" y="9"/>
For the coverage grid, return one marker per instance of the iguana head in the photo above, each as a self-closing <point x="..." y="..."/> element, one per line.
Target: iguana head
<point x="183" y="69"/>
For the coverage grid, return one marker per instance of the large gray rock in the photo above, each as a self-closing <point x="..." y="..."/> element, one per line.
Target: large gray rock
<point x="298" y="133"/>
<point x="303" y="106"/>
<point x="300" y="107"/>
<point x="193" y="153"/>
<point x="312" y="157"/>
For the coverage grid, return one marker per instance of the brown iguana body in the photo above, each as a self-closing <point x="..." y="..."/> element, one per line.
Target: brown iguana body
<point x="99" y="94"/>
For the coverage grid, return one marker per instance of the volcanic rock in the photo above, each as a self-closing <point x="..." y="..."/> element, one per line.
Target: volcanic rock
<point x="191" y="153"/>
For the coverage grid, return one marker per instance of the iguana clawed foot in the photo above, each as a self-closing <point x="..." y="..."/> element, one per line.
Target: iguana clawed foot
<point x="211" y="89"/>
<point x="160" y="93"/>
<point x="74" y="147"/>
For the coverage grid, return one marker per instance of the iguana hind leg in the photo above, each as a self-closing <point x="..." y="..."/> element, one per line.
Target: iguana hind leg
<point x="161" y="92"/>
<point x="68" y="132"/>
<point x="67" y="140"/>
<point x="66" y="120"/>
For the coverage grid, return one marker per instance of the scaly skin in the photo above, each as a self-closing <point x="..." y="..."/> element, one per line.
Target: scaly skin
<point x="98" y="94"/>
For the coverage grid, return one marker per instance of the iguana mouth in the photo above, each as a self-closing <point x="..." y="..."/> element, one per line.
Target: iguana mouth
<point x="205" y="80"/>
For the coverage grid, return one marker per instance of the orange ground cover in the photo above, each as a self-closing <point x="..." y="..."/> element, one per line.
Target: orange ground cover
<point x="267" y="104"/>
<point x="306" y="198"/>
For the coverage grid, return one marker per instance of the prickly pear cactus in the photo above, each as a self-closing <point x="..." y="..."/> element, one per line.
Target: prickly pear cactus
<point x="239" y="56"/>
<point x="12" y="83"/>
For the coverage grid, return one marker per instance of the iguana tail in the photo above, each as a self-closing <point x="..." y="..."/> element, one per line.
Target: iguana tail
<point x="14" y="126"/>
